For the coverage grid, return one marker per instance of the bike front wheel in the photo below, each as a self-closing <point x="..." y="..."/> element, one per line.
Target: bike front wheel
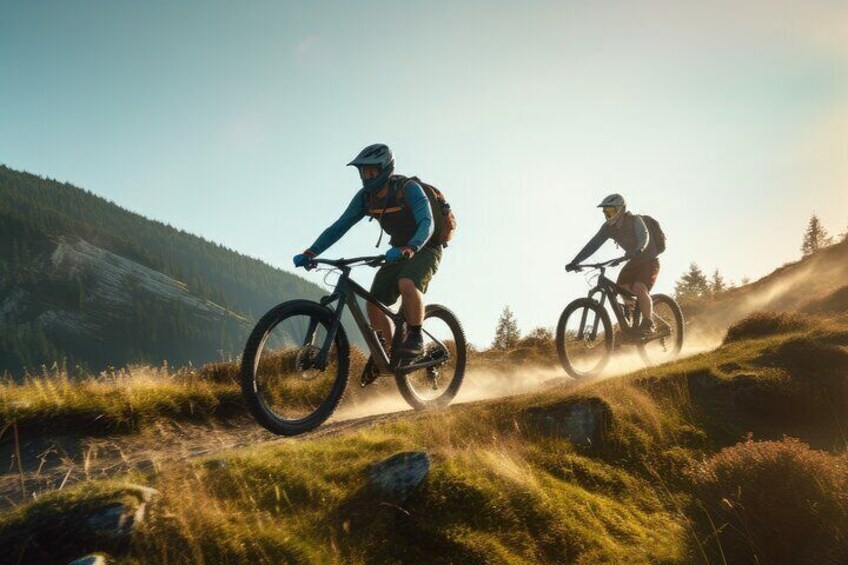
<point x="584" y="339"/>
<point x="282" y="383"/>
<point x="668" y="327"/>
<point x="444" y="357"/>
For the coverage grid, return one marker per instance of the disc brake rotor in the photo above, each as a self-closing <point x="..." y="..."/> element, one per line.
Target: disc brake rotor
<point x="303" y="362"/>
<point x="433" y="377"/>
<point x="588" y="342"/>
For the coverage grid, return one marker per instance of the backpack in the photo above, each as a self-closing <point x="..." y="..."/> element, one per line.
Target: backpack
<point x="443" y="219"/>
<point x="656" y="233"/>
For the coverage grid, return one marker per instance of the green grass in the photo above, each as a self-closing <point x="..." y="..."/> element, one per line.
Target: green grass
<point x="127" y="400"/>
<point x="119" y="401"/>
<point x="662" y="483"/>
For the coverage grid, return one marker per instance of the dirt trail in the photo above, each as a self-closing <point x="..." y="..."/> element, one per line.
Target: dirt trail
<point x="54" y="462"/>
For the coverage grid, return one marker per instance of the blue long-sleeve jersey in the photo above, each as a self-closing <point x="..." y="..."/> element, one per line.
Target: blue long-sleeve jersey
<point x="413" y="195"/>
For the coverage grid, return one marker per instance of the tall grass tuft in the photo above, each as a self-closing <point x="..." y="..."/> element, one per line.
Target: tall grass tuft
<point x="115" y="400"/>
<point x="763" y="324"/>
<point x="776" y="502"/>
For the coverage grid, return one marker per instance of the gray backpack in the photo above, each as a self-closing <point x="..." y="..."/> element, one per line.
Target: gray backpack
<point x="656" y="232"/>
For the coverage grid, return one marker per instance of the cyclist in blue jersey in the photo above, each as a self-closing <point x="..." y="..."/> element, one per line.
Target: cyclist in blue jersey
<point x="404" y="212"/>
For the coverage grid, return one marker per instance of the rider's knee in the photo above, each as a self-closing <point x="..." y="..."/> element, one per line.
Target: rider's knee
<point x="372" y="310"/>
<point x="407" y="286"/>
<point x="640" y="288"/>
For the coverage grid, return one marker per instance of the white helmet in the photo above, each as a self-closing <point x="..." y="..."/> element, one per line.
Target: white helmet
<point x="378" y="155"/>
<point x="615" y="201"/>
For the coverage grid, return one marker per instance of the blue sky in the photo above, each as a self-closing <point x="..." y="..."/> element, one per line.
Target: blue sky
<point x="727" y="122"/>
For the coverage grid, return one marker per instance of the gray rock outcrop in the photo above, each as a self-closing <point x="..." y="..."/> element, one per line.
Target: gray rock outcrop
<point x="396" y="478"/>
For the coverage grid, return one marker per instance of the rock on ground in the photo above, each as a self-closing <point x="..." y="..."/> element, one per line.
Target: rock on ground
<point x="583" y="421"/>
<point x="396" y="478"/>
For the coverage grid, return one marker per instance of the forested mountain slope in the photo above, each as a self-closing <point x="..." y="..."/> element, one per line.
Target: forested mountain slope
<point x="84" y="280"/>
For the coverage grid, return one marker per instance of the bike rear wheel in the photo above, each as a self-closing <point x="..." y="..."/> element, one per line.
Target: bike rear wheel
<point x="444" y="340"/>
<point x="283" y="388"/>
<point x="584" y="339"/>
<point x="668" y="324"/>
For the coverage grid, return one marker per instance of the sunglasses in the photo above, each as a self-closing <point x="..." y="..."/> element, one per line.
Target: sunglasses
<point x="610" y="211"/>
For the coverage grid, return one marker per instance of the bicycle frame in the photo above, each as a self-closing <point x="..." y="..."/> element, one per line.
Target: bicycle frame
<point x="608" y="289"/>
<point x="344" y="295"/>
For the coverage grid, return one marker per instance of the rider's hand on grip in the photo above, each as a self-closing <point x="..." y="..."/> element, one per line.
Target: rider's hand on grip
<point x="304" y="259"/>
<point x="572" y="268"/>
<point x="398" y="253"/>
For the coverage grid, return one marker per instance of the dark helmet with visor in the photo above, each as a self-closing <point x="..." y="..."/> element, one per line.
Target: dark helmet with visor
<point x="376" y="155"/>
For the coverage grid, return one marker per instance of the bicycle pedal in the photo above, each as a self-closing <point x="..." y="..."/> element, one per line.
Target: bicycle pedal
<point x="369" y="374"/>
<point x="365" y="381"/>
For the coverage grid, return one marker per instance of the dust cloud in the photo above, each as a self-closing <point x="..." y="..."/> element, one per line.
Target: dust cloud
<point x="793" y="287"/>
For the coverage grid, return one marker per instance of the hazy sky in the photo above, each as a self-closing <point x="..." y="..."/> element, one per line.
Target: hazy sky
<point x="727" y="121"/>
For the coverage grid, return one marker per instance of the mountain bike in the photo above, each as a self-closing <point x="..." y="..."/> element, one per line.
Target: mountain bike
<point x="586" y="338"/>
<point x="296" y="363"/>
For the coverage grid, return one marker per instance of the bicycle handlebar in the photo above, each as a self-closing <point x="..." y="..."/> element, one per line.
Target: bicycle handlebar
<point x="371" y="261"/>
<point x="610" y="263"/>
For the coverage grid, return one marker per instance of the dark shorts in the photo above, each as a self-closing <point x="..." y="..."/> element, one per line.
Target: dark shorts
<point x="420" y="270"/>
<point x="643" y="271"/>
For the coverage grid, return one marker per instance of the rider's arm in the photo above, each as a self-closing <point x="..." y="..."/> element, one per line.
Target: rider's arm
<point x="354" y="212"/>
<point x="594" y="244"/>
<point x="422" y="212"/>
<point x="642" y="234"/>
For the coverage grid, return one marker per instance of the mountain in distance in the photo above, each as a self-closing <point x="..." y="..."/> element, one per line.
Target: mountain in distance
<point x="86" y="282"/>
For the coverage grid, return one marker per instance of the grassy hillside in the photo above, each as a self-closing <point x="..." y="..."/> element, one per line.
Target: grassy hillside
<point x="686" y="463"/>
<point x="812" y="284"/>
<point x="85" y="281"/>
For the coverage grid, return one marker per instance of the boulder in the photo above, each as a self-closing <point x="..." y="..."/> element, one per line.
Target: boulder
<point x="115" y="521"/>
<point x="582" y="421"/>
<point x="396" y="478"/>
<point x="55" y="528"/>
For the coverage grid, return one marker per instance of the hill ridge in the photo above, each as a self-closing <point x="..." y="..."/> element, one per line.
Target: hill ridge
<point x="42" y="221"/>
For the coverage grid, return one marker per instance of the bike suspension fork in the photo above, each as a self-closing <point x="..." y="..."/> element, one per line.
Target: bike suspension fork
<point x="309" y="339"/>
<point x="597" y="321"/>
<point x="321" y="358"/>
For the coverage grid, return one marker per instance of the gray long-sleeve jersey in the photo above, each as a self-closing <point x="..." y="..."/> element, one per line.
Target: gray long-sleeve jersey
<point x="630" y="233"/>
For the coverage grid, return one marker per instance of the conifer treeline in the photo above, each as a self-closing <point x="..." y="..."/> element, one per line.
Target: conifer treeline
<point x="35" y="212"/>
<point x="694" y="287"/>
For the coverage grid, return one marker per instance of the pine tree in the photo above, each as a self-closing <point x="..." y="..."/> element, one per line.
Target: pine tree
<point x="507" y="333"/>
<point x="816" y="237"/>
<point x="717" y="284"/>
<point x="693" y="285"/>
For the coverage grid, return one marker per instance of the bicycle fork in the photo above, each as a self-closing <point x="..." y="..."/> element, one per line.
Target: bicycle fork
<point x="594" y="334"/>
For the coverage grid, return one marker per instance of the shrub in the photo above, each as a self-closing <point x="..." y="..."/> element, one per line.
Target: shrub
<point x="776" y="502"/>
<point x="541" y="339"/>
<point x="762" y="324"/>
